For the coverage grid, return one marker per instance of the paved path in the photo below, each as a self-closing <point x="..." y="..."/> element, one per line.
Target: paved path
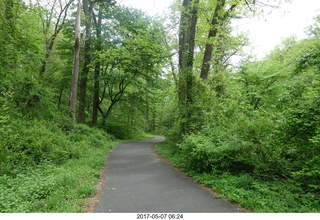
<point x="138" y="181"/>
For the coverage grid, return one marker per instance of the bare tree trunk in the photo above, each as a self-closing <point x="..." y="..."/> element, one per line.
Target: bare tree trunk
<point x="76" y="63"/>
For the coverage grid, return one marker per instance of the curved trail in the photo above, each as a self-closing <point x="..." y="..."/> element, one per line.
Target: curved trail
<point x="138" y="181"/>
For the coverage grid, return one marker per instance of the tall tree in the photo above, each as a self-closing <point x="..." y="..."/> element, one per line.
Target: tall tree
<point x="97" y="68"/>
<point x="76" y="63"/>
<point x="220" y="15"/>
<point x="103" y="6"/>
<point x="187" y="33"/>
<point x="87" y="8"/>
<point x="50" y="16"/>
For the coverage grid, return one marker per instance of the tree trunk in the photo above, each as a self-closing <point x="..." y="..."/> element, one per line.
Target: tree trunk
<point x="96" y="86"/>
<point x="87" y="60"/>
<point x="218" y="19"/>
<point x="49" y="47"/>
<point x="147" y="127"/>
<point x="188" y="23"/>
<point x="153" y="125"/>
<point x="173" y="71"/>
<point x="57" y="28"/>
<point x="75" y="71"/>
<point x="106" y="115"/>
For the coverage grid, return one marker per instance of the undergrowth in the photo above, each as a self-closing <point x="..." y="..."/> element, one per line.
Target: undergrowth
<point x="52" y="184"/>
<point x="262" y="194"/>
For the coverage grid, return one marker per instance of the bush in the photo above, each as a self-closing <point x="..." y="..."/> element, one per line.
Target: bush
<point x="33" y="99"/>
<point x="54" y="173"/>
<point x="252" y="192"/>
<point x="7" y="133"/>
<point x="120" y="129"/>
<point x="24" y="148"/>
<point x="300" y="132"/>
<point x="243" y="143"/>
<point x="81" y="132"/>
<point x="202" y="154"/>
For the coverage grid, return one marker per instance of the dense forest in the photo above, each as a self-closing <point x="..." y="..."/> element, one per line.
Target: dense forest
<point x="78" y="77"/>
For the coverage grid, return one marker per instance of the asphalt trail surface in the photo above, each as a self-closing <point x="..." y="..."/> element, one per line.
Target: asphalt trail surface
<point x="137" y="180"/>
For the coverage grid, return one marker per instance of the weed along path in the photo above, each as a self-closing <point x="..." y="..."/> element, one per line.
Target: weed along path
<point x="137" y="180"/>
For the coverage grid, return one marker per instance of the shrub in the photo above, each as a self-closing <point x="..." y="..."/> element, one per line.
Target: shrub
<point x="24" y="148"/>
<point x="118" y="128"/>
<point x="204" y="155"/>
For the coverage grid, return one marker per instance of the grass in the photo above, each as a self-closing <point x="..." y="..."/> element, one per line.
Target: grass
<point x="249" y="191"/>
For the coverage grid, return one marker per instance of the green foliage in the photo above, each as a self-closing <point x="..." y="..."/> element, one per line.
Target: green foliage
<point x="257" y="195"/>
<point x="253" y="135"/>
<point x="48" y="164"/>
<point x="170" y="152"/>
<point x="257" y="143"/>
<point x="244" y="145"/>
<point x="309" y="60"/>
<point x="33" y="99"/>
<point x="22" y="146"/>
<point x="19" y="39"/>
<point x="300" y="133"/>
<point x="314" y="30"/>
<point x="25" y="191"/>
<point x="202" y="154"/>
<point x="7" y="132"/>
<point x="81" y="132"/>
<point x="119" y="128"/>
<point x="37" y="184"/>
<point x="260" y="192"/>
<point x="131" y="57"/>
